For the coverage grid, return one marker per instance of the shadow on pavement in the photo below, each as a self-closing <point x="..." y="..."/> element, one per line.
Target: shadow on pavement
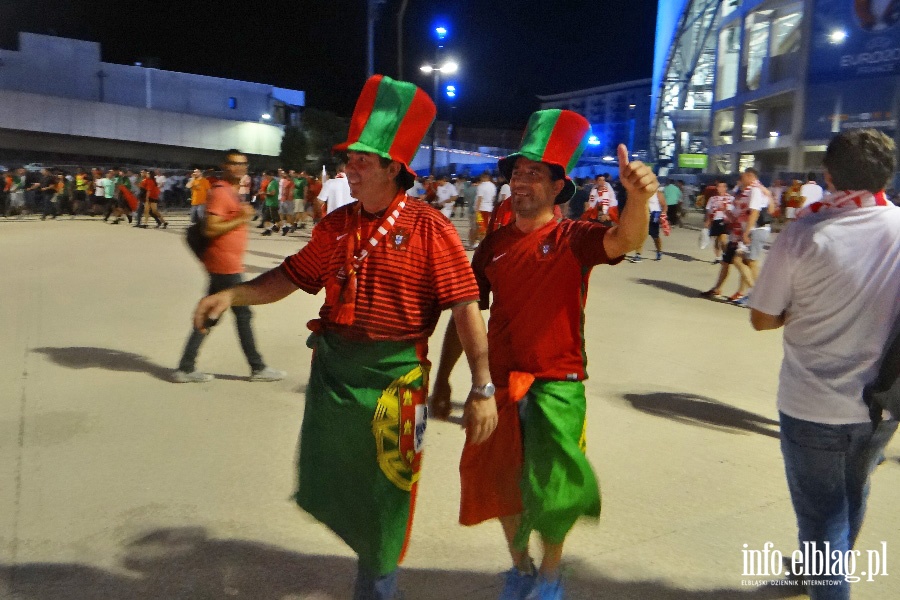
<point x="682" y="257"/>
<point x="185" y="564"/>
<point x="670" y="286"/>
<point x="701" y="411"/>
<point x="278" y="257"/>
<point x="86" y="357"/>
<point x="257" y="270"/>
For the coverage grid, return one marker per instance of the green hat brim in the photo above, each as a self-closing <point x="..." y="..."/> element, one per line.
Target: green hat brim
<point x="505" y="165"/>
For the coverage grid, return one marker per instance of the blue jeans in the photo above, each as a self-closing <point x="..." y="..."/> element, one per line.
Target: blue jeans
<point x="828" y="469"/>
<point x="371" y="587"/>
<point x="139" y="213"/>
<point x="242" y="315"/>
<point x="198" y="212"/>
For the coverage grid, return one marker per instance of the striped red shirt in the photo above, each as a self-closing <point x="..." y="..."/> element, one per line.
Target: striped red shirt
<point x="418" y="270"/>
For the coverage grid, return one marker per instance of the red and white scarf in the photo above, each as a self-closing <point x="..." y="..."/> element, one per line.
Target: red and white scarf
<point x="741" y="212"/>
<point x="344" y="283"/>
<point x="847" y="200"/>
<point x="719" y="206"/>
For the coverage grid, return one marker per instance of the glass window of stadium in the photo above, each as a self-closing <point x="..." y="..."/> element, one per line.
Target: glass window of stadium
<point x="729" y="6"/>
<point x="750" y="127"/>
<point x="727" y="63"/>
<point x="757" y="36"/>
<point x="784" y="42"/>
<point x="723" y="127"/>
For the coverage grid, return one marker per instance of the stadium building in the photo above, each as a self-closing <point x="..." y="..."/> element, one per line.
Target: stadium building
<point x="59" y="102"/>
<point x="767" y="83"/>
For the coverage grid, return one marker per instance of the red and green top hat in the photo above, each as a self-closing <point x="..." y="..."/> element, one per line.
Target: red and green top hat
<point x="390" y="119"/>
<point x="556" y="137"/>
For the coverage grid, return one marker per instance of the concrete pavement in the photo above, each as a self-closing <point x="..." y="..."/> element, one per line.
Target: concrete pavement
<point x="117" y="483"/>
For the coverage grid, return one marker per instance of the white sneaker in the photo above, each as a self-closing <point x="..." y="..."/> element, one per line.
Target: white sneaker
<point x="268" y="374"/>
<point x="193" y="377"/>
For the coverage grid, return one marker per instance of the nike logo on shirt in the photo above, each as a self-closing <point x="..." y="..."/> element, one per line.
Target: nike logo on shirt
<point x="498" y="257"/>
<point x="340" y="237"/>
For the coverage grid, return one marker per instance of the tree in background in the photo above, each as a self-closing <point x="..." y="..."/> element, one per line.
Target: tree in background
<point x="309" y="145"/>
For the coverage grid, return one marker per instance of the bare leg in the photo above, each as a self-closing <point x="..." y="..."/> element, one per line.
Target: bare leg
<point x="754" y="269"/>
<point x="723" y="275"/>
<point x="747" y="279"/>
<point x="550" y="563"/>
<point x="521" y="559"/>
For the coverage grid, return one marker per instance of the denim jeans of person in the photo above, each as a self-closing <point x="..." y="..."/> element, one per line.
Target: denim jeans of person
<point x="139" y="213"/>
<point x="828" y="469"/>
<point x="198" y="212"/>
<point x="242" y="315"/>
<point x="50" y="204"/>
<point x="371" y="587"/>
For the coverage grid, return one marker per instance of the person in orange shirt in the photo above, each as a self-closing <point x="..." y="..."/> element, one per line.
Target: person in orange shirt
<point x="199" y="186"/>
<point x="226" y="228"/>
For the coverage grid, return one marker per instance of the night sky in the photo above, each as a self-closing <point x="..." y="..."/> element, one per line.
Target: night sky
<point x="508" y="51"/>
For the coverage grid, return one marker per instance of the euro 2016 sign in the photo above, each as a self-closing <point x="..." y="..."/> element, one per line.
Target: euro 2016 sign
<point x="854" y="67"/>
<point x="855" y="39"/>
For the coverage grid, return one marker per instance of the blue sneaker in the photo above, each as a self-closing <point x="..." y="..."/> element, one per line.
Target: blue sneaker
<point x="518" y="584"/>
<point x="742" y="301"/>
<point x="546" y="590"/>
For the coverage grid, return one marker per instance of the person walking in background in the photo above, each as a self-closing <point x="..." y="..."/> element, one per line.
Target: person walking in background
<point x="335" y="192"/>
<point x="270" y="219"/>
<point x="199" y="186"/>
<point x="811" y="191"/>
<point x="485" y="195"/>
<point x="673" y="194"/>
<point x="717" y="207"/>
<point x="151" y="199"/>
<point x="226" y="222"/>
<point x="833" y="282"/>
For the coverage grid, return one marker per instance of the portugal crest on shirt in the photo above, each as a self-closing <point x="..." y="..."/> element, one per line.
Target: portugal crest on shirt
<point x="399" y="238"/>
<point x="545" y="249"/>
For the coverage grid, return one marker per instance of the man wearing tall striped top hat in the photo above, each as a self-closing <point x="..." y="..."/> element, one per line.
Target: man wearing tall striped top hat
<point x="532" y="473"/>
<point x="389" y="264"/>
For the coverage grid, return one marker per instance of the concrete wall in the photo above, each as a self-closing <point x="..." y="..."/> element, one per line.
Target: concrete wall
<point x="68" y="68"/>
<point x="67" y="117"/>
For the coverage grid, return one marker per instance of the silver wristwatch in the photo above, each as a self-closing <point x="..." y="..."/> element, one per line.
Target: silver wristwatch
<point x="485" y="391"/>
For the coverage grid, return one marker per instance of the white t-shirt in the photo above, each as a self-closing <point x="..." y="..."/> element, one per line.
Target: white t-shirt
<point x="811" y="192"/>
<point x="244" y="187"/>
<point x="758" y="200"/>
<point x="837" y="274"/>
<point x="335" y="193"/>
<point x="416" y="190"/>
<point x="484" y="196"/>
<point x="504" y="193"/>
<point x="654" y="204"/>
<point x="99" y="189"/>
<point x="445" y="192"/>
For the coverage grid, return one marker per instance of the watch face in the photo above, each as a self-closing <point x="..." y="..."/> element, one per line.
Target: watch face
<point x="488" y="390"/>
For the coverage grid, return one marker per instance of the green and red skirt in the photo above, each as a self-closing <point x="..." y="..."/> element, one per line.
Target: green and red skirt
<point x="533" y="464"/>
<point x="361" y="443"/>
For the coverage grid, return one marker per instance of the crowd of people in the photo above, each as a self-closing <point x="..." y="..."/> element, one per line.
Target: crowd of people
<point x="390" y="264"/>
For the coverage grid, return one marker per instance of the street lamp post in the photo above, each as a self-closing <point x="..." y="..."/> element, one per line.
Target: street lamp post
<point x="435" y="71"/>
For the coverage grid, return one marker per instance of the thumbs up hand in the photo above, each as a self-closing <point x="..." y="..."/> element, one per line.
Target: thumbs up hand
<point x="638" y="178"/>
